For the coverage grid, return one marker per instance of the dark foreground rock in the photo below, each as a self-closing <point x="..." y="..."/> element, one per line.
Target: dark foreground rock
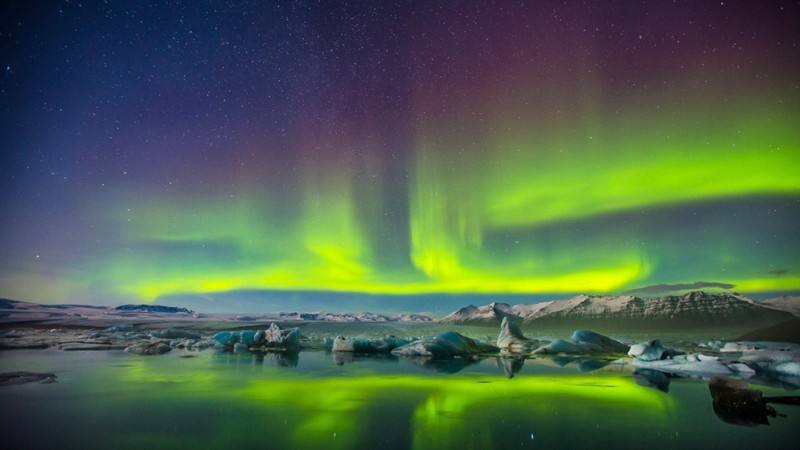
<point x="14" y="378"/>
<point x="734" y="402"/>
<point x="445" y="345"/>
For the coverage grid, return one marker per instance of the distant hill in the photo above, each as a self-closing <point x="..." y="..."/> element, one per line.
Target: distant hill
<point x="695" y="308"/>
<point x="788" y="331"/>
<point x="786" y="303"/>
<point x="154" y="309"/>
<point x="12" y="311"/>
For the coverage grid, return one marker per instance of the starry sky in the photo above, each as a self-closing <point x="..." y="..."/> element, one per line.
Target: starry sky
<point x="389" y="150"/>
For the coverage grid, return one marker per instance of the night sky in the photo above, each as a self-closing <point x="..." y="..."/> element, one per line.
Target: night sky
<point x="397" y="148"/>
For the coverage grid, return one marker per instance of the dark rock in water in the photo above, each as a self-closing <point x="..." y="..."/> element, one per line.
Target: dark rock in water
<point x="734" y="402"/>
<point x="153" y="309"/>
<point x="149" y="348"/>
<point x="584" y="342"/>
<point x="175" y="333"/>
<point x="651" y="351"/>
<point x="511" y="338"/>
<point x="364" y="345"/>
<point x="14" y="378"/>
<point x="652" y="379"/>
<point x="444" y="345"/>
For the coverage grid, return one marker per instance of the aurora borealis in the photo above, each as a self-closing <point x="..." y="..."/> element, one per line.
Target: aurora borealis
<point x="397" y="148"/>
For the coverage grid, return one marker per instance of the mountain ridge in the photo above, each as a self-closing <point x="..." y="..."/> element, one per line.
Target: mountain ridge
<point x="693" y="306"/>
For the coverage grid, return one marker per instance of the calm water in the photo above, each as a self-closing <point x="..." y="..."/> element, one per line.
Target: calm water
<point x="316" y="401"/>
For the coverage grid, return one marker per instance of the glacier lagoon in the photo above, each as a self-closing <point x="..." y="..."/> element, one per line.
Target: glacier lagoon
<point x="320" y="400"/>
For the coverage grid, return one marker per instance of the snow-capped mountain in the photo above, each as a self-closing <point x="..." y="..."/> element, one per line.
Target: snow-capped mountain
<point x="15" y="311"/>
<point x="694" y="306"/>
<point x="487" y="313"/>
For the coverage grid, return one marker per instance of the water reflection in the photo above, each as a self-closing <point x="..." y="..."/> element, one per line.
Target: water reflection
<point x="652" y="379"/>
<point x="443" y="365"/>
<point x="275" y="359"/>
<point x="171" y="402"/>
<point x="582" y="363"/>
<point x="733" y="401"/>
<point x="341" y="358"/>
<point x="278" y="359"/>
<point x="510" y="366"/>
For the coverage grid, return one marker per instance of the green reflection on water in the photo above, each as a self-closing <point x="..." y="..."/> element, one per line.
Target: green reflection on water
<point x="236" y="401"/>
<point x="346" y="411"/>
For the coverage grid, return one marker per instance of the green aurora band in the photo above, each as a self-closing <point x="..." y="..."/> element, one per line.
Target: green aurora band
<point x="521" y="212"/>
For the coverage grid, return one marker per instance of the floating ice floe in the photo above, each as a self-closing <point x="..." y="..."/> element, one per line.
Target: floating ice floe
<point x="651" y="351"/>
<point x="366" y="345"/>
<point x="512" y="340"/>
<point x="273" y="338"/>
<point x="584" y="342"/>
<point x="444" y="345"/>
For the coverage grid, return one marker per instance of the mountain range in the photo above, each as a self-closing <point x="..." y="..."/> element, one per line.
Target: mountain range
<point x="696" y="307"/>
<point x="12" y="311"/>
